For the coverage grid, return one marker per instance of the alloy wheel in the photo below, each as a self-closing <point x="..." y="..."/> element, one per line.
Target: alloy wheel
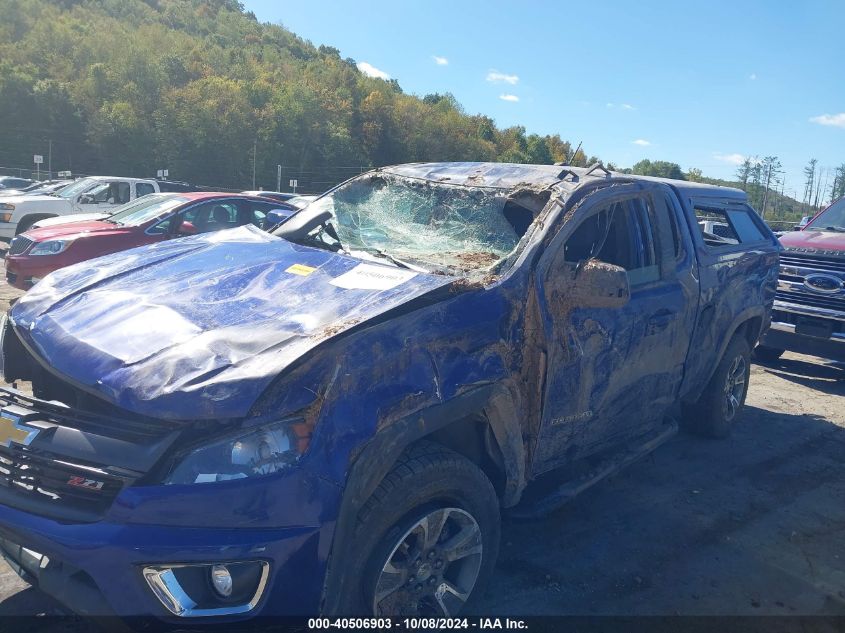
<point x="432" y="568"/>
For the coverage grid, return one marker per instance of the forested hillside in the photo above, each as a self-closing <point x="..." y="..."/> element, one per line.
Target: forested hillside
<point x="200" y="87"/>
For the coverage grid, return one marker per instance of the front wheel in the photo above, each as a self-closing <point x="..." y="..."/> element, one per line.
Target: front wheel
<point x="427" y="539"/>
<point x="716" y="411"/>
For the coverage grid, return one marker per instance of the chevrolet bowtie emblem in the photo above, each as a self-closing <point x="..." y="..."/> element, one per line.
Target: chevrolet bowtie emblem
<point x="13" y="431"/>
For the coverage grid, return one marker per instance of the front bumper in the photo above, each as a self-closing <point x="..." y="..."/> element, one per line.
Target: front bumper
<point x="807" y="330"/>
<point x="97" y="569"/>
<point x="92" y="559"/>
<point x="23" y="272"/>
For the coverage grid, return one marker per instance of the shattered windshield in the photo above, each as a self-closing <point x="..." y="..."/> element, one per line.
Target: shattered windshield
<point x="439" y="227"/>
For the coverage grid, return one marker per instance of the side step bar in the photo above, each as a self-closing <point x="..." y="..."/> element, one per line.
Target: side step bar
<point x="562" y="495"/>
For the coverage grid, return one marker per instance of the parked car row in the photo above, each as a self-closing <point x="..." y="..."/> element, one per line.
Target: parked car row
<point x="56" y="224"/>
<point x="13" y="182"/>
<point x="331" y="416"/>
<point x="147" y="220"/>
<point x="41" y="187"/>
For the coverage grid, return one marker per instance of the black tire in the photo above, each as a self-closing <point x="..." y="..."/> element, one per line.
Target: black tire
<point x="428" y="480"/>
<point x="714" y="414"/>
<point x="767" y="354"/>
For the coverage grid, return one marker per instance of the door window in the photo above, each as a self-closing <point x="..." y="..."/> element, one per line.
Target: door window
<point x="143" y="188"/>
<point x="254" y="212"/>
<point x="206" y="217"/>
<point x="112" y="193"/>
<point x="623" y="234"/>
<point x="723" y="227"/>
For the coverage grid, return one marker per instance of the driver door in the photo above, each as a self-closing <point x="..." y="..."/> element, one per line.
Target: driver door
<point x="611" y="372"/>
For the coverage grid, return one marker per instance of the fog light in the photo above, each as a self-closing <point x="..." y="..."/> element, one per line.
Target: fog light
<point x="221" y="580"/>
<point x="191" y="590"/>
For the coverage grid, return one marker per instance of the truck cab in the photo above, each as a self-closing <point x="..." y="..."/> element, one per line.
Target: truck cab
<point x="331" y="417"/>
<point x="809" y="310"/>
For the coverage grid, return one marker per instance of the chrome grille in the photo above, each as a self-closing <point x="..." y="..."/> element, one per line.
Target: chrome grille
<point x="19" y="245"/>
<point x="56" y="483"/>
<point x="796" y="279"/>
<point x="815" y="262"/>
<point x="809" y="298"/>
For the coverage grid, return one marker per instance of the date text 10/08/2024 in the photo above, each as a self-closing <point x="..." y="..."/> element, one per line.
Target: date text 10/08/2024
<point x="417" y="623"/>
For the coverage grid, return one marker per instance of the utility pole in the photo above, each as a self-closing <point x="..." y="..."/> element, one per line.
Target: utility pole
<point x="50" y="161"/>
<point x="766" y="195"/>
<point x="278" y="177"/>
<point x="254" y="150"/>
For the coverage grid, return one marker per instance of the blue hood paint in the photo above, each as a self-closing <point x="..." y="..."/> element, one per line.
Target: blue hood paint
<point x="198" y="327"/>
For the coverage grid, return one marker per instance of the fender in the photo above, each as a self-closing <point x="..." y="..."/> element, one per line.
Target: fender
<point x="497" y="402"/>
<point x="746" y="315"/>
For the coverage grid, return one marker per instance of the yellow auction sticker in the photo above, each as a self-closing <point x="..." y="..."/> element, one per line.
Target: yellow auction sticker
<point x="300" y="269"/>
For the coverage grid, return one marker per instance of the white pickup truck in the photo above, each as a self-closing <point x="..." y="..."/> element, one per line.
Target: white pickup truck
<point x="88" y="198"/>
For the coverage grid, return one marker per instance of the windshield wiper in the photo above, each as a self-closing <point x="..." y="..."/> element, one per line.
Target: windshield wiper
<point x="398" y="262"/>
<point x="838" y="229"/>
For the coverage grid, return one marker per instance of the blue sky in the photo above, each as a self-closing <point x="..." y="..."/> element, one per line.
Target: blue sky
<point x="699" y="85"/>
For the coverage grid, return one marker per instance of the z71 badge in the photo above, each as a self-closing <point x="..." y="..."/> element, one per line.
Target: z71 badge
<point x="82" y="482"/>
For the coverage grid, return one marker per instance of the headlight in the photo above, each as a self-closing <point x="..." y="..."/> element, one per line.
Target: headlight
<point x="261" y="451"/>
<point x="6" y="217"/>
<point x="52" y="247"/>
<point x="7" y="206"/>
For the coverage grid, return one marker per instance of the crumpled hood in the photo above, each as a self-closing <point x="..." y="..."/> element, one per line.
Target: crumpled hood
<point x="198" y="327"/>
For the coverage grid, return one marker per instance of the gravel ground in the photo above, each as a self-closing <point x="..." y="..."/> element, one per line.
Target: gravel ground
<point x="751" y="525"/>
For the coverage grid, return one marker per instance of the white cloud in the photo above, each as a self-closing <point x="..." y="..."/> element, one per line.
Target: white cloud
<point x="835" y="120"/>
<point x="752" y="76"/>
<point x="733" y="159"/>
<point x="621" y="106"/>
<point x="641" y="142"/>
<point x="440" y="61"/>
<point x="371" y="71"/>
<point x="508" y="97"/>
<point x="494" y="76"/>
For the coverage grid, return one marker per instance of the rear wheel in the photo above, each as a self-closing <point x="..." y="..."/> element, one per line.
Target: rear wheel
<point x="767" y="354"/>
<point x="427" y="539"/>
<point x="719" y="406"/>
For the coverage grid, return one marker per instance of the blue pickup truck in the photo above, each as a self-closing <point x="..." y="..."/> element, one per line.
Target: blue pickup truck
<point x="331" y="418"/>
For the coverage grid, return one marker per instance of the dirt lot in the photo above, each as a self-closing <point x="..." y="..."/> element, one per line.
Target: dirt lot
<point x="752" y="525"/>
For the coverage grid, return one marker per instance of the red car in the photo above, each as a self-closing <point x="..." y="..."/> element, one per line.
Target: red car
<point x="149" y="219"/>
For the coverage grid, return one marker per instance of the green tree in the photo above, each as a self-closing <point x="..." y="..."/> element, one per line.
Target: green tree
<point x="660" y="168"/>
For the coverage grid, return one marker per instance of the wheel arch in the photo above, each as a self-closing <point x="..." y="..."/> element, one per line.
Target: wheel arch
<point x="482" y="425"/>
<point x="31" y="218"/>
<point x="748" y="324"/>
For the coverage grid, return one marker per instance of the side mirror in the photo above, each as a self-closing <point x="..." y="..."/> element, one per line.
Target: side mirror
<point x="275" y="217"/>
<point x="187" y="228"/>
<point x="597" y="284"/>
<point x="86" y="199"/>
